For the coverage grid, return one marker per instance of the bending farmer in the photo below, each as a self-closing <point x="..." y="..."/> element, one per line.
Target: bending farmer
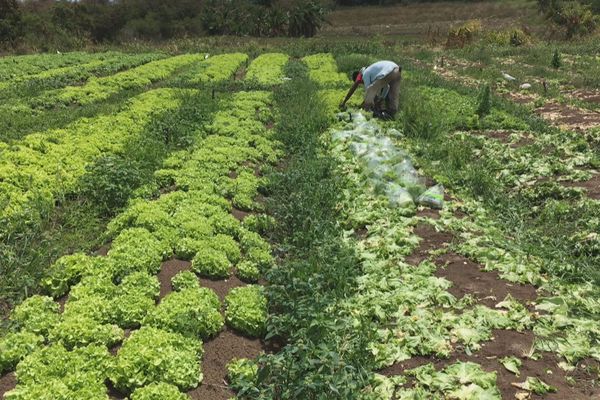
<point x="382" y="85"/>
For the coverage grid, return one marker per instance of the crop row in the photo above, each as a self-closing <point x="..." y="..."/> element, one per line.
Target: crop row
<point x="99" y="89"/>
<point x="215" y="69"/>
<point x="66" y="354"/>
<point x="415" y="313"/>
<point x="109" y="63"/>
<point x="39" y="169"/>
<point x="323" y="69"/>
<point x="22" y="66"/>
<point x="267" y="69"/>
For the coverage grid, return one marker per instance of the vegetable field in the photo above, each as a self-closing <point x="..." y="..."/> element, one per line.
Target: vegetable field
<point x="211" y="226"/>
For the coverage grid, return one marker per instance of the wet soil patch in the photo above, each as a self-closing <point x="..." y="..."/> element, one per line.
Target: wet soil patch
<point x="222" y="287"/>
<point x="218" y="352"/>
<point x="7" y="383"/>
<point x="467" y="277"/>
<point x="592" y="186"/>
<point x="431" y="240"/>
<point x="168" y="270"/>
<point x="569" y="117"/>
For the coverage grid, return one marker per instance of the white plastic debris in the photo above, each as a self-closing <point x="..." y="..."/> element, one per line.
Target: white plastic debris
<point x="508" y="77"/>
<point x="525" y="86"/>
<point x="386" y="167"/>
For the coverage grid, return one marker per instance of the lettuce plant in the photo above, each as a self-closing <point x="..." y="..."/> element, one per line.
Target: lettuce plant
<point x="158" y="391"/>
<point x="267" y="69"/>
<point x="185" y="280"/>
<point x="77" y="331"/>
<point x="136" y="250"/>
<point x="37" y="314"/>
<point x="211" y="263"/>
<point x="190" y="312"/>
<point x="15" y="346"/>
<point x="246" y="310"/>
<point x="152" y="355"/>
<point x="248" y="271"/>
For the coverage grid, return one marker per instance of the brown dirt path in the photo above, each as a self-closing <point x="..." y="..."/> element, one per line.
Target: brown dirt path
<point x="488" y="288"/>
<point x="568" y="117"/>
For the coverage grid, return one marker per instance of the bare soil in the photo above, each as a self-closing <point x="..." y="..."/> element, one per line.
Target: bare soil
<point x="568" y="117"/>
<point x="511" y="343"/>
<point x="222" y="287"/>
<point x="428" y="213"/>
<point x="488" y="288"/>
<point x="7" y="383"/>
<point x="592" y="186"/>
<point x="587" y="95"/>
<point x="218" y="352"/>
<point x="240" y="74"/>
<point x="431" y="240"/>
<point x="168" y="270"/>
<point x="504" y="137"/>
<point x="239" y="214"/>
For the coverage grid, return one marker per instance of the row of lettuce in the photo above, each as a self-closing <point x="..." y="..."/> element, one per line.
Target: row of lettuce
<point x="66" y="353"/>
<point x="104" y="64"/>
<point x="19" y="67"/>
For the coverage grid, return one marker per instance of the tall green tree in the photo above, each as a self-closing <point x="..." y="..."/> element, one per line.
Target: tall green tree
<point x="10" y="22"/>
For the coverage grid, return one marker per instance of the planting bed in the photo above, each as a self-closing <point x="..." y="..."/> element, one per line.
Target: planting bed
<point x="281" y="249"/>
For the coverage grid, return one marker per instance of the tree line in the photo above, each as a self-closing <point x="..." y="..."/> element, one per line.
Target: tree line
<point x="46" y="24"/>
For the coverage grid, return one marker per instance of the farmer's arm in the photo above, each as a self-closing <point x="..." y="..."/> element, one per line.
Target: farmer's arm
<point x="350" y="93"/>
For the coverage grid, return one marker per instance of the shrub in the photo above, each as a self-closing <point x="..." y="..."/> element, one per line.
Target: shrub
<point x="190" y="312"/>
<point x="15" y="346"/>
<point x="484" y="101"/>
<point x="461" y="35"/>
<point x="154" y="355"/>
<point x="556" y="62"/>
<point x="158" y="391"/>
<point x="246" y="310"/>
<point x="576" y="18"/>
<point x="211" y="263"/>
<point x="109" y="182"/>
